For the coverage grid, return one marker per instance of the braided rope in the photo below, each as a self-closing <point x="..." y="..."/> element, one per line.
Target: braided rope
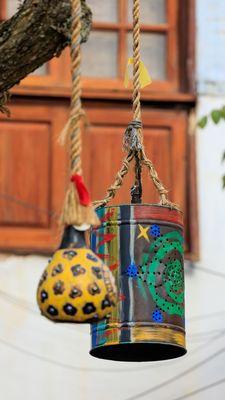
<point x="163" y="192"/>
<point x="111" y="191"/>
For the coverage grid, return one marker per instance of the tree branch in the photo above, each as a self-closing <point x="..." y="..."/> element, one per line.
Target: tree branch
<point x="39" y="31"/>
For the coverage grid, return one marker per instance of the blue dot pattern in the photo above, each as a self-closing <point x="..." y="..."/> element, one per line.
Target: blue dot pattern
<point x="155" y="230"/>
<point x="157" y="316"/>
<point x="132" y="271"/>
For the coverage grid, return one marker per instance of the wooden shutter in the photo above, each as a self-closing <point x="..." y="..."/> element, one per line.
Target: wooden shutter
<point x="33" y="173"/>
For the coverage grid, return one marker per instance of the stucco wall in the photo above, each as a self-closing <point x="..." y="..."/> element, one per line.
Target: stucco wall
<point x="211" y="141"/>
<point x="43" y="360"/>
<point x="211" y="196"/>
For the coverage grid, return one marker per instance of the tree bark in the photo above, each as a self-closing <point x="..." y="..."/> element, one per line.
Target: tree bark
<point x="39" y="31"/>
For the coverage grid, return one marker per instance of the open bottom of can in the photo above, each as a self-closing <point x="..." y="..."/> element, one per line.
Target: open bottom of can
<point x="138" y="343"/>
<point x="138" y="352"/>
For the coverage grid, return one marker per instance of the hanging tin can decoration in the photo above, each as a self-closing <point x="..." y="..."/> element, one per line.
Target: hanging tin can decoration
<point x="143" y="245"/>
<point x="76" y="286"/>
<point x="145" y="252"/>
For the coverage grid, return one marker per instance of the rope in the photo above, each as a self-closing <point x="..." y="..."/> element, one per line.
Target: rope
<point x="136" y="63"/>
<point x="75" y="113"/>
<point x="133" y="137"/>
<point x="111" y="191"/>
<point x="74" y="213"/>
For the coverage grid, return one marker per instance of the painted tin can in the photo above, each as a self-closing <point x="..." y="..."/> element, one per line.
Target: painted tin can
<point x="143" y="247"/>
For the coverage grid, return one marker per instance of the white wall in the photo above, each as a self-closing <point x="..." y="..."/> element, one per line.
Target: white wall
<point x="211" y="141"/>
<point x="42" y="360"/>
<point x="211" y="196"/>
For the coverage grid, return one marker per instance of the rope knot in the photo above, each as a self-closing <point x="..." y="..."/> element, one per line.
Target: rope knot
<point x="132" y="139"/>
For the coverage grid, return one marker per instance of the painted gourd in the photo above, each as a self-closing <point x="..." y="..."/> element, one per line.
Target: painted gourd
<point x="76" y="286"/>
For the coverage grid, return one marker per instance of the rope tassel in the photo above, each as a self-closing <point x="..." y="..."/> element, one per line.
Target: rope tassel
<point x="76" y="213"/>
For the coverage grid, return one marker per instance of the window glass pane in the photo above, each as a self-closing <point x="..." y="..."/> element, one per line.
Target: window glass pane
<point x="152" y="11"/>
<point x="41" y="71"/>
<point x="99" y="55"/>
<point x="153" y="53"/>
<point x="104" y="10"/>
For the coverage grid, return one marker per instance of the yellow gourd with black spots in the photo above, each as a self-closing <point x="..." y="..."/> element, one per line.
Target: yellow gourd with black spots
<point x="76" y="287"/>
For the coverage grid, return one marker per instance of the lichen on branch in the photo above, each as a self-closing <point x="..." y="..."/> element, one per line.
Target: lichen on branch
<point x="38" y="31"/>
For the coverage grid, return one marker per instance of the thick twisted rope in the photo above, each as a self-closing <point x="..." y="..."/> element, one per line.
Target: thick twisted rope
<point x="136" y="62"/>
<point x="133" y="140"/>
<point x="75" y="113"/>
<point x="136" y="190"/>
<point x="75" y="213"/>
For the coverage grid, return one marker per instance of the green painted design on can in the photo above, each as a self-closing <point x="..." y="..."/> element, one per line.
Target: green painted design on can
<point x="172" y="276"/>
<point x="141" y="274"/>
<point x="174" y="281"/>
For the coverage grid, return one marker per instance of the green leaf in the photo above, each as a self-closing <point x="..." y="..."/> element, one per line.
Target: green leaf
<point x="203" y="122"/>
<point x="223" y="157"/>
<point x="222" y="112"/>
<point x="216" y="116"/>
<point x="223" y="179"/>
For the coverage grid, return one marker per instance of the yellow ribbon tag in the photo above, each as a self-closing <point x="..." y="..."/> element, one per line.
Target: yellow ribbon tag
<point x="145" y="78"/>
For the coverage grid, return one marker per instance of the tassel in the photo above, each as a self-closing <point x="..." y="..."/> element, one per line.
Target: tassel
<point x="74" y="213"/>
<point x="83" y="193"/>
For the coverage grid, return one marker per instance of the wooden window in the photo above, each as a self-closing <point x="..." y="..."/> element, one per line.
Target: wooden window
<point x="166" y="50"/>
<point x="33" y="167"/>
<point x="105" y="54"/>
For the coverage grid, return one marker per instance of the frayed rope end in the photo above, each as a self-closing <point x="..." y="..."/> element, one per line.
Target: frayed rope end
<point x="74" y="213"/>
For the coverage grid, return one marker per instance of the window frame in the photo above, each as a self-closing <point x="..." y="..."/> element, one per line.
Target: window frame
<point x="110" y="87"/>
<point x="180" y="41"/>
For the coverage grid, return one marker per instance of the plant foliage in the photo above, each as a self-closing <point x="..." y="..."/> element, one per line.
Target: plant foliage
<point x="215" y="116"/>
